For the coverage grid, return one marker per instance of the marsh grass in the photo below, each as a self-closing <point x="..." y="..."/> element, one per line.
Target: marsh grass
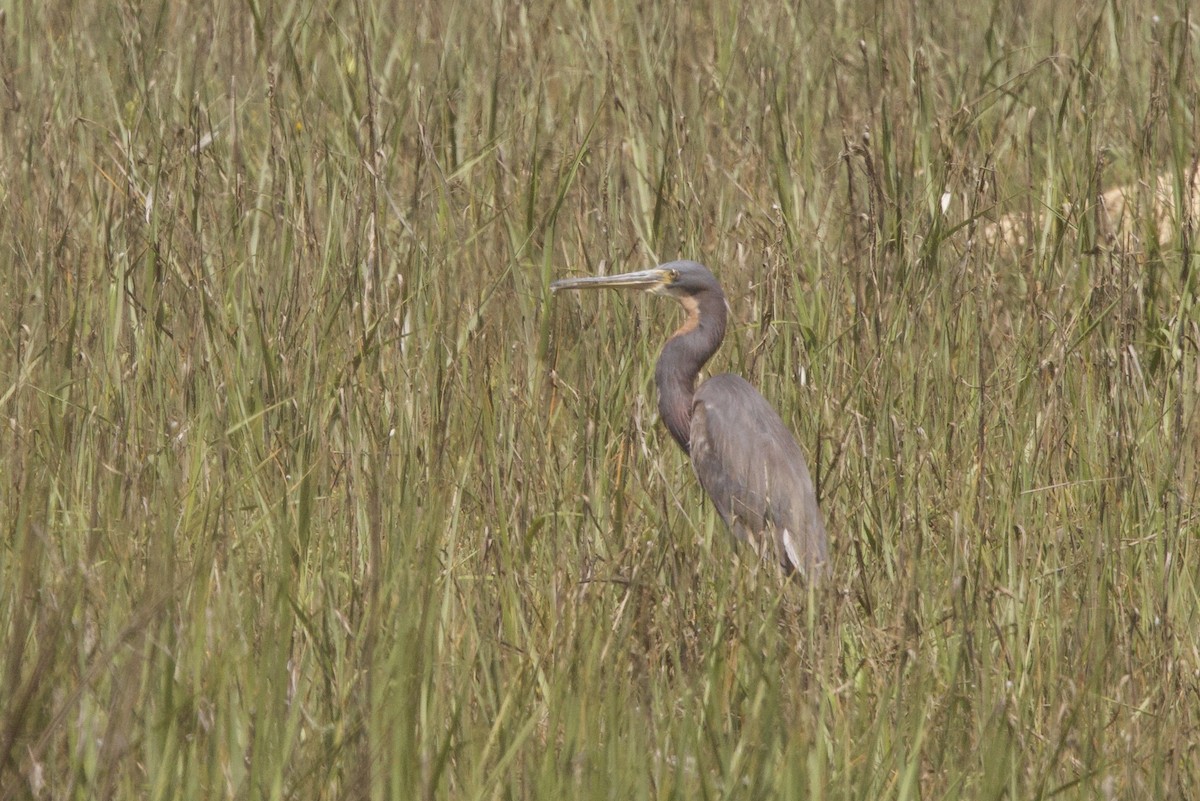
<point x="310" y="490"/>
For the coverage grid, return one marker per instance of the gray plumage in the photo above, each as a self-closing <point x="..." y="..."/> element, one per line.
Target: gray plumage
<point x="756" y="475"/>
<point x="745" y="457"/>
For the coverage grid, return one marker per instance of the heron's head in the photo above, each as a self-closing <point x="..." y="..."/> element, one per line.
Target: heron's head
<point x="682" y="280"/>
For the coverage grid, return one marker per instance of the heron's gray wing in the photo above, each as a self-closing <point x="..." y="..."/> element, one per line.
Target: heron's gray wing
<point x="751" y="467"/>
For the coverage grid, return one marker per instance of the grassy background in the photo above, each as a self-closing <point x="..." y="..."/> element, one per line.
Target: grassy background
<point x="311" y="490"/>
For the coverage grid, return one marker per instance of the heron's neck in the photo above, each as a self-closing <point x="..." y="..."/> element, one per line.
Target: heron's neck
<point x="681" y="359"/>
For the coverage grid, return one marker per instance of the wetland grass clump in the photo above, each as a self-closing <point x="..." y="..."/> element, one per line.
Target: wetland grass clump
<point x="309" y="492"/>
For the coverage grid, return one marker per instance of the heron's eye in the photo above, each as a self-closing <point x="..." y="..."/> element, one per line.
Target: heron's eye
<point x="673" y="276"/>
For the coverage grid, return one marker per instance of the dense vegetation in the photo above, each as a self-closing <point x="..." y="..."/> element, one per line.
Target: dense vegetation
<point x="310" y="489"/>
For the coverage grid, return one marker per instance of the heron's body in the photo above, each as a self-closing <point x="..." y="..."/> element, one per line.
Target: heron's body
<point x="745" y="457"/>
<point x="754" y="471"/>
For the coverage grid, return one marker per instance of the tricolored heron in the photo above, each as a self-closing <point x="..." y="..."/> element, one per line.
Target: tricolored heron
<point x="745" y="457"/>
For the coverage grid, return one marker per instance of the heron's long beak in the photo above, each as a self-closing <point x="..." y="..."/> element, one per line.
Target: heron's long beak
<point x="643" y="279"/>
